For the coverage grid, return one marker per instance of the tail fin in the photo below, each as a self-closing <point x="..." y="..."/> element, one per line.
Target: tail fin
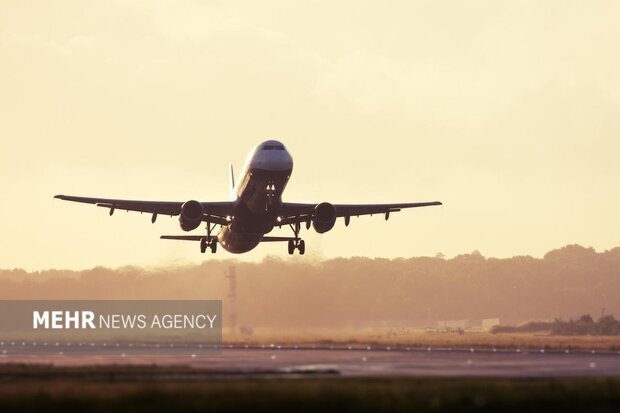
<point x="232" y="181"/>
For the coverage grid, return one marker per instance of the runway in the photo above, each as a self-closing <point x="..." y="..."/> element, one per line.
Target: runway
<point x="352" y="361"/>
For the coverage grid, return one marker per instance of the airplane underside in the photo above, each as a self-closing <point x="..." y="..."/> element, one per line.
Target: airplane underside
<point x="238" y="243"/>
<point x="255" y="215"/>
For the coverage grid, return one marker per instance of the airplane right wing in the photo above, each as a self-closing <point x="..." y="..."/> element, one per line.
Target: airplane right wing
<point x="215" y="212"/>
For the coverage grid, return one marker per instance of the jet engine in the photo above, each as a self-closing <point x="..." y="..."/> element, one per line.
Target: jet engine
<point x="324" y="217"/>
<point x="191" y="215"/>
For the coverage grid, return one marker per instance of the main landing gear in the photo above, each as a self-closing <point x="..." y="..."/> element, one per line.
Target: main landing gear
<point x="209" y="242"/>
<point x="297" y="243"/>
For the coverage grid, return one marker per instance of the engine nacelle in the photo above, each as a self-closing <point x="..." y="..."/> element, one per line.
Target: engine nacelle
<point x="324" y="217"/>
<point x="191" y="215"/>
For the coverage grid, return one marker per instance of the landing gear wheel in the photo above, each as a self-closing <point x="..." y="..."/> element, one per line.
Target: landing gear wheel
<point x="296" y="243"/>
<point x="203" y="245"/>
<point x="213" y="246"/>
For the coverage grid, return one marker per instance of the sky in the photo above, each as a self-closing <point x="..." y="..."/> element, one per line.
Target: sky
<point x="507" y="112"/>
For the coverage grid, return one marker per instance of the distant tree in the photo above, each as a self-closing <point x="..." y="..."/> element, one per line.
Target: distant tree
<point x="586" y="318"/>
<point x="607" y="326"/>
<point x="570" y="252"/>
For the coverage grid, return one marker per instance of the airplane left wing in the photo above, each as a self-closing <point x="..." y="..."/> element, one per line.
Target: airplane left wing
<point x="295" y="212"/>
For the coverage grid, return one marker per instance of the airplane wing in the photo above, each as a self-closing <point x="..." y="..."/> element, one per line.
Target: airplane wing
<point x="294" y="212"/>
<point x="214" y="212"/>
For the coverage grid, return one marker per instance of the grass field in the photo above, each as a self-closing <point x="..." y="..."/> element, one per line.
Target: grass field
<point x="32" y="388"/>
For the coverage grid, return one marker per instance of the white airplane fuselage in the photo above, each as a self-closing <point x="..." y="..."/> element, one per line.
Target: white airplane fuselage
<point x="257" y="197"/>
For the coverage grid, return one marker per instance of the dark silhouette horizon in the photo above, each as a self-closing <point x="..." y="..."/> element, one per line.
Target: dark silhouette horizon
<point x="359" y="292"/>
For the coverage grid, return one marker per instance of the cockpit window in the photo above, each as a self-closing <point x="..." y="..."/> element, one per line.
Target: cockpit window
<point x="271" y="147"/>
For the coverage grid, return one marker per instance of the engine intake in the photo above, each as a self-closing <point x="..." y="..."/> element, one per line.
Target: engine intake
<point x="324" y="217"/>
<point x="191" y="215"/>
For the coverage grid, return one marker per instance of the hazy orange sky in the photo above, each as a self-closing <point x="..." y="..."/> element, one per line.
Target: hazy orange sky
<point x="508" y="112"/>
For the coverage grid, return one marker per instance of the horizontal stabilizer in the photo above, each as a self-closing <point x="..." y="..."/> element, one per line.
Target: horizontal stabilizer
<point x="184" y="237"/>
<point x="200" y="237"/>
<point x="276" y="239"/>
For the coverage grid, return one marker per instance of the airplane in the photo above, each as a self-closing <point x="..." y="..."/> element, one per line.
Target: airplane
<point x="255" y="207"/>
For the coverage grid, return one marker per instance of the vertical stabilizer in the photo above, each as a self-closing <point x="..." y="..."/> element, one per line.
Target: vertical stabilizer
<point x="232" y="181"/>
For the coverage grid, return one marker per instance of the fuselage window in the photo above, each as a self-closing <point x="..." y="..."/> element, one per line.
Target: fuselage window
<point x="280" y="147"/>
<point x="268" y="148"/>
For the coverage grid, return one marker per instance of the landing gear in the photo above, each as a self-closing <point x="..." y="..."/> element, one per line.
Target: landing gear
<point x="270" y="192"/>
<point x="209" y="241"/>
<point x="297" y="243"/>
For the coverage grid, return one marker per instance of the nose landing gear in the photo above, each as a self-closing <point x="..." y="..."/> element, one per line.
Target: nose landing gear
<point x="270" y="192"/>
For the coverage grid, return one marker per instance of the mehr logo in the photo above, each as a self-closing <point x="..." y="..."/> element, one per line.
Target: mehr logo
<point x="88" y="320"/>
<point x="63" y="319"/>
